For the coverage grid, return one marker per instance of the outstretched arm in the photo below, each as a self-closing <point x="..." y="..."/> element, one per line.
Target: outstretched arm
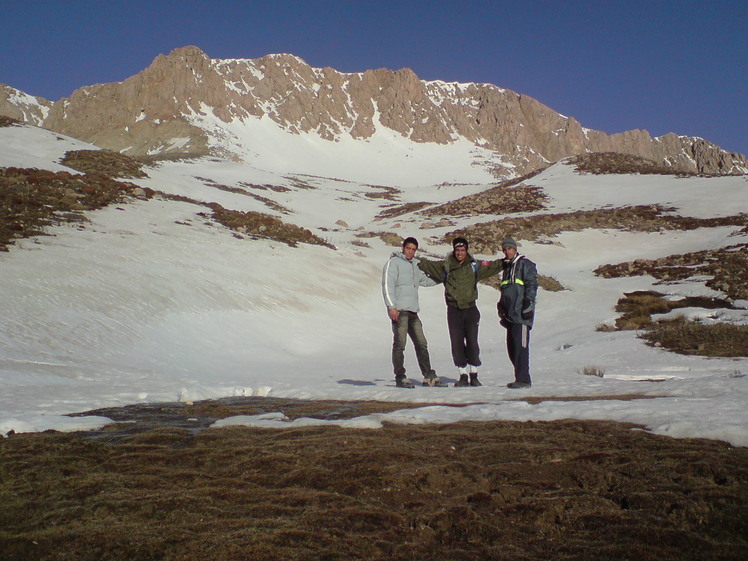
<point x="425" y="280"/>
<point x="488" y="268"/>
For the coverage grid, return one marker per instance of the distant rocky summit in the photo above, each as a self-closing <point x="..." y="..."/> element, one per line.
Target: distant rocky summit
<point x="187" y="103"/>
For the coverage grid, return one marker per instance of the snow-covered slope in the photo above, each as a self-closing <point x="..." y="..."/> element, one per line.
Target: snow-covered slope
<point x="152" y="302"/>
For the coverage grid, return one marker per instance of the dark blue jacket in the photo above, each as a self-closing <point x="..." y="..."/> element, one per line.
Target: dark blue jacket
<point x="519" y="287"/>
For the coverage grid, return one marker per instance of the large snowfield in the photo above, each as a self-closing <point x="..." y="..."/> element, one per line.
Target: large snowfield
<point x="150" y="302"/>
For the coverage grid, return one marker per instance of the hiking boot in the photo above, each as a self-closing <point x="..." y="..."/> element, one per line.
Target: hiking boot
<point x="462" y="382"/>
<point x="403" y="382"/>
<point x="518" y="385"/>
<point x="432" y="380"/>
<point x="474" y="380"/>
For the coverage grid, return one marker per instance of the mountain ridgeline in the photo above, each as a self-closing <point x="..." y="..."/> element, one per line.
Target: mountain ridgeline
<point x="184" y="102"/>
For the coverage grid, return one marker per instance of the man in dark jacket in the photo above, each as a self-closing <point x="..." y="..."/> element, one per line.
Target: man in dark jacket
<point x="519" y="288"/>
<point x="460" y="274"/>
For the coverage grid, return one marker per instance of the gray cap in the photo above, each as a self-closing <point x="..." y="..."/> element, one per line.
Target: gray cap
<point x="509" y="242"/>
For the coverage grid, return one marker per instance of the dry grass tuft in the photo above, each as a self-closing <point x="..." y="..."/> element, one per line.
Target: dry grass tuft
<point x="592" y="371"/>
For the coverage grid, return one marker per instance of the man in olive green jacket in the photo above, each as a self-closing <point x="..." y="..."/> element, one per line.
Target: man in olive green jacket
<point x="460" y="274"/>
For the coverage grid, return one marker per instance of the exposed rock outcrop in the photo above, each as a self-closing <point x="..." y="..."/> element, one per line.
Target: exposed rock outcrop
<point x="184" y="102"/>
<point x="23" y="107"/>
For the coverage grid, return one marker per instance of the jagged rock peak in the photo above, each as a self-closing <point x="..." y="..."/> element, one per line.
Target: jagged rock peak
<point x="186" y="101"/>
<point x="22" y="106"/>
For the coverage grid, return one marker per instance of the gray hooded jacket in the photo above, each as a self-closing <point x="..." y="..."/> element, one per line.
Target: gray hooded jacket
<point x="400" y="281"/>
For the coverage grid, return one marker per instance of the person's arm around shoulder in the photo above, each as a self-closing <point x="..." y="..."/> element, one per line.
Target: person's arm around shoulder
<point x="488" y="268"/>
<point x="423" y="279"/>
<point x="434" y="269"/>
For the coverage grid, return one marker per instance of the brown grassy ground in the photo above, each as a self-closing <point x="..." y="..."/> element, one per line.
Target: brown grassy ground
<point x="163" y="490"/>
<point x="485" y="237"/>
<point x="695" y="338"/>
<point x="103" y="162"/>
<point x="726" y="269"/>
<point x="499" y="490"/>
<point x="32" y="199"/>
<point x="259" y="225"/>
<point x="506" y="197"/>
<point x="610" y="162"/>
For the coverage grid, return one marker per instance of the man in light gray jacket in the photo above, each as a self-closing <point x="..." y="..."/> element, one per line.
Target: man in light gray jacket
<point x="401" y="278"/>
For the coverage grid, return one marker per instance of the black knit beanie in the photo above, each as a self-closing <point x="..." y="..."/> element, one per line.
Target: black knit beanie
<point x="459" y="242"/>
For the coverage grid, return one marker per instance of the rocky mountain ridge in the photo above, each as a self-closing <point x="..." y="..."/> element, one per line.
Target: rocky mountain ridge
<point x="187" y="103"/>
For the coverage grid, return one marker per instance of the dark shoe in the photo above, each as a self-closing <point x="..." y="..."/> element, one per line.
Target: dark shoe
<point x="403" y="382"/>
<point x="432" y="380"/>
<point x="474" y="381"/>
<point x="462" y="382"/>
<point x="518" y="385"/>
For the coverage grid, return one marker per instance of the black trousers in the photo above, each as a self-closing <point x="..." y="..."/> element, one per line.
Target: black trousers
<point x="463" y="335"/>
<point x="518" y="347"/>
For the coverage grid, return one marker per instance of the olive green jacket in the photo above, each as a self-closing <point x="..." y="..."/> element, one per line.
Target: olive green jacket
<point x="460" y="280"/>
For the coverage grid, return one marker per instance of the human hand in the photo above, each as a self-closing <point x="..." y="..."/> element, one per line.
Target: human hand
<point x="393" y="313"/>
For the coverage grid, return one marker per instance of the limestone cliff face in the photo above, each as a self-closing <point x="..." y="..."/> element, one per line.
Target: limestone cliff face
<point x="183" y="103"/>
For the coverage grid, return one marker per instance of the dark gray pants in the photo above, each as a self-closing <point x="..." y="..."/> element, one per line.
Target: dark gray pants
<point x="518" y="347"/>
<point x="408" y="324"/>
<point x="463" y="335"/>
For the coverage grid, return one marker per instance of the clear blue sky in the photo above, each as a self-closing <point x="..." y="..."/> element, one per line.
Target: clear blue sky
<point x="660" y="65"/>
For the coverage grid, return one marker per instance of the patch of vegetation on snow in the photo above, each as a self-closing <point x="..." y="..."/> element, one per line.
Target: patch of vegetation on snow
<point x="726" y="268"/>
<point x="8" y="121"/>
<point x="103" y="162"/>
<point x="600" y="163"/>
<point x="679" y="334"/>
<point x="31" y="199"/>
<point x="687" y="337"/>
<point x="258" y="225"/>
<point x="485" y="237"/>
<point x="505" y="198"/>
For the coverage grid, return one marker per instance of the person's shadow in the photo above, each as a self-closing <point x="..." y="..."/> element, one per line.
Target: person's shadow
<point x="350" y="382"/>
<point x="357" y="382"/>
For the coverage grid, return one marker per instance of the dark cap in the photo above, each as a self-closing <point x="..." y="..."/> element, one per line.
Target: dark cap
<point x="459" y="242"/>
